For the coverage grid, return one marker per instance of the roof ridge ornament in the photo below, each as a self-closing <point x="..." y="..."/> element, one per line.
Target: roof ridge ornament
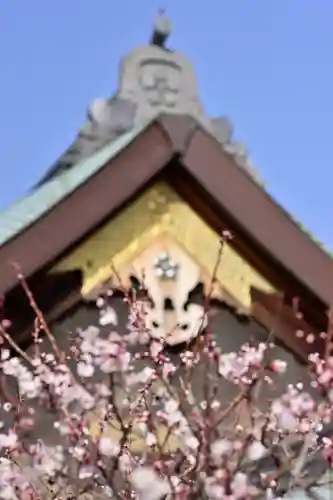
<point x="161" y="30"/>
<point x="152" y="80"/>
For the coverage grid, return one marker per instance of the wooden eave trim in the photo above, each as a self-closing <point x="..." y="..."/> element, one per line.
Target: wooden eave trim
<point x="229" y="186"/>
<point x="257" y="215"/>
<point x="217" y="218"/>
<point x="74" y="216"/>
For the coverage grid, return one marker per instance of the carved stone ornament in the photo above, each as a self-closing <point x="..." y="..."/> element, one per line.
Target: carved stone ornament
<point x="152" y="80"/>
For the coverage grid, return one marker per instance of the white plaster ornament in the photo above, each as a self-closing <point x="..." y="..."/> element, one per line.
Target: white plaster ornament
<point x="169" y="282"/>
<point x="165" y="267"/>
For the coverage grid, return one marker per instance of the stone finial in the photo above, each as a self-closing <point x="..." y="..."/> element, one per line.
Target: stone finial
<point x="161" y="31"/>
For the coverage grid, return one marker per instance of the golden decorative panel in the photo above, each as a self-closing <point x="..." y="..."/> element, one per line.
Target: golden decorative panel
<point x="158" y="212"/>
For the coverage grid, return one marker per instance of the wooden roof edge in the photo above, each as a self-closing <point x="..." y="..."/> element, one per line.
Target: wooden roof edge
<point x="45" y="197"/>
<point x="28" y="209"/>
<point x="206" y="161"/>
<point x="53" y="232"/>
<point x="267" y="224"/>
<point x="183" y="133"/>
<point x="181" y="130"/>
<point x="259" y="187"/>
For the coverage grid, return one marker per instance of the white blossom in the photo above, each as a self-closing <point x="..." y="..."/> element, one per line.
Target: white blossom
<point x="256" y="450"/>
<point x="108" y="316"/>
<point x="85" y="369"/>
<point x="9" y="440"/>
<point x="48" y="460"/>
<point x="148" y="485"/>
<point x="108" y="447"/>
<point x="220" y="449"/>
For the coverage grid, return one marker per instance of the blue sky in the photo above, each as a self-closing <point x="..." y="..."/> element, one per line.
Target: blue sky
<point x="267" y="64"/>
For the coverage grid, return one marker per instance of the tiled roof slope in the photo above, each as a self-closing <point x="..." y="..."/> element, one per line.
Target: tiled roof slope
<point x="33" y="206"/>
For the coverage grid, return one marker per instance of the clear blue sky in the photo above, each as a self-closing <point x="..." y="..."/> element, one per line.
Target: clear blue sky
<point x="267" y="64"/>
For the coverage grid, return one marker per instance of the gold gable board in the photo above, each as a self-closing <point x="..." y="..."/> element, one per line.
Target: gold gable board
<point x="156" y="213"/>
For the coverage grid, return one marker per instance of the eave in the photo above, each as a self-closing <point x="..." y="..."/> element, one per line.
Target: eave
<point x="229" y="187"/>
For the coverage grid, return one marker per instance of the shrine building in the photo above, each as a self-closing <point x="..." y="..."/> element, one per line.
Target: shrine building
<point x="147" y="190"/>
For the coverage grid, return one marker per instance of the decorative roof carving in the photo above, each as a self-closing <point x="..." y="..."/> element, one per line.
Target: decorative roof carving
<point x="152" y="80"/>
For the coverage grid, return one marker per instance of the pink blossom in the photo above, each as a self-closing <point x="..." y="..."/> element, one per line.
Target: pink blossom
<point x="151" y="439"/>
<point x="141" y="377"/>
<point x="148" y="485"/>
<point x="220" y="449"/>
<point x="256" y="450"/>
<point x="156" y="347"/>
<point x="48" y="460"/>
<point x="85" y="369"/>
<point x="108" y="447"/>
<point x="279" y="366"/>
<point x="209" y="457"/>
<point x="286" y="420"/>
<point x="108" y="316"/>
<point x="86" y="471"/>
<point x="241" y="487"/>
<point x="9" y="440"/>
<point x="213" y="489"/>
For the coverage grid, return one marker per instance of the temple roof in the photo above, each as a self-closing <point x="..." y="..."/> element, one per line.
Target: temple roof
<point x="156" y="82"/>
<point x="152" y="79"/>
<point x="46" y="223"/>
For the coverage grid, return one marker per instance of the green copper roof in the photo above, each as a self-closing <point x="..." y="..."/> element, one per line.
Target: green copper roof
<point x="33" y="206"/>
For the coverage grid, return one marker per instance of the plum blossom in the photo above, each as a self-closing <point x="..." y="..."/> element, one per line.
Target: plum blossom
<point x="29" y="386"/>
<point x="235" y="366"/>
<point x="140" y="377"/>
<point x="85" y="369"/>
<point x="48" y="460"/>
<point x="88" y="338"/>
<point x="285" y="418"/>
<point x="78" y="396"/>
<point x="291" y="407"/>
<point x="101" y="387"/>
<point x="279" y="366"/>
<point x="220" y="449"/>
<point x="214" y="489"/>
<point x="148" y="484"/>
<point x="172" y="414"/>
<point x="256" y="450"/>
<point x="86" y="471"/>
<point x="9" y="440"/>
<point x="151" y="439"/>
<point x="11" y="480"/>
<point x="109" y="354"/>
<point x="240" y="486"/>
<point x="108" y="316"/>
<point x="108" y="447"/>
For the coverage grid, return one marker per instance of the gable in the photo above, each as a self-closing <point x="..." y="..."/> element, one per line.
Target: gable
<point x="158" y="214"/>
<point x="252" y="213"/>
